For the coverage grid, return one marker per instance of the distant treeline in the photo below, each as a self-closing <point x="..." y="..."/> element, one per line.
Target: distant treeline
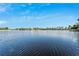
<point x="4" y="28"/>
<point x="74" y="27"/>
<point x="58" y="28"/>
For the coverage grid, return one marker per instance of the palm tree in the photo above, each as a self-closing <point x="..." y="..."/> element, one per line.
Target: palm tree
<point x="78" y="19"/>
<point x="78" y="23"/>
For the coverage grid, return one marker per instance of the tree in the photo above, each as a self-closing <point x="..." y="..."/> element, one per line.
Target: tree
<point x="6" y="27"/>
<point x="78" y="19"/>
<point x="78" y="22"/>
<point x="69" y="27"/>
<point x="74" y="27"/>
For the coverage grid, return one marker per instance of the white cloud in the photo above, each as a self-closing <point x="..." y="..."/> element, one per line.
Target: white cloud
<point x="29" y="4"/>
<point x="25" y="12"/>
<point x="23" y="5"/>
<point x="4" y="7"/>
<point x="48" y="4"/>
<point x="2" y="22"/>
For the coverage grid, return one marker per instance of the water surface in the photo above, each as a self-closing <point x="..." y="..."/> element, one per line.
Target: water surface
<point x="39" y="43"/>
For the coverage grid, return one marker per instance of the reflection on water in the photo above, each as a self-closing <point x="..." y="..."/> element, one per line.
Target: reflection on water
<point x="39" y="42"/>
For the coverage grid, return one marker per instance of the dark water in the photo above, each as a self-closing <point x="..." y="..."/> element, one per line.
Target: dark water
<point x="39" y="43"/>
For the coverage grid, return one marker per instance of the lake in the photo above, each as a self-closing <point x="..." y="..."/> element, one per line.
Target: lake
<point x="39" y="43"/>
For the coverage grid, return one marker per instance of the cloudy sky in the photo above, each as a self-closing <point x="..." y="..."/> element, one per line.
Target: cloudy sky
<point x="38" y="15"/>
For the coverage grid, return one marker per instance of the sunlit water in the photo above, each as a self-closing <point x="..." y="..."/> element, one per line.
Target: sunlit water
<point x="39" y="43"/>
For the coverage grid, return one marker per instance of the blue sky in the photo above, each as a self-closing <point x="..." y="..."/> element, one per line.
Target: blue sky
<point x="38" y="15"/>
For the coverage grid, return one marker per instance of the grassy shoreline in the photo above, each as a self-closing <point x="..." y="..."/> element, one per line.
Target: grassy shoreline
<point x="76" y="30"/>
<point x="34" y="30"/>
<point x="25" y="29"/>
